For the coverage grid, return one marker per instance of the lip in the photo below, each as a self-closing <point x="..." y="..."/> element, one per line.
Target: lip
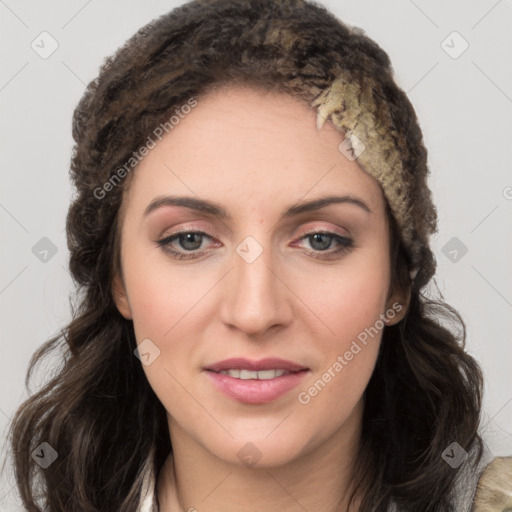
<point x="253" y="391"/>
<point x="269" y="363"/>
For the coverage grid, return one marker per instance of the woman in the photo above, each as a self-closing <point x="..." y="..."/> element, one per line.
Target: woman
<point x="251" y="240"/>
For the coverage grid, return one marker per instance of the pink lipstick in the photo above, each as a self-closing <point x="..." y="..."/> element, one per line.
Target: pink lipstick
<point x="256" y="382"/>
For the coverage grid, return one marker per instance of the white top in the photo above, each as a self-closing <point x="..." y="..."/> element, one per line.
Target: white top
<point x="148" y="502"/>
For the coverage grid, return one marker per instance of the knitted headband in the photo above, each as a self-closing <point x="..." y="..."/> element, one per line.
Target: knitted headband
<point x="352" y="109"/>
<point x="363" y="101"/>
<point x="342" y="74"/>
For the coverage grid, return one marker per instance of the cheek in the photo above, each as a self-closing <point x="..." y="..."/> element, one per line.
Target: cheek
<point x="171" y="306"/>
<point x="333" y="393"/>
<point x="349" y="303"/>
<point x="162" y="295"/>
<point x="348" y="298"/>
<point x="164" y="303"/>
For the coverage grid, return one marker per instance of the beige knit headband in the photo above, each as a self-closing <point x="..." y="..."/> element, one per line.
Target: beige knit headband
<point x="353" y="111"/>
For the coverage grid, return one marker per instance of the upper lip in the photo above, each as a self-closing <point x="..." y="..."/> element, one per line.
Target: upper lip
<point x="240" y="363"/>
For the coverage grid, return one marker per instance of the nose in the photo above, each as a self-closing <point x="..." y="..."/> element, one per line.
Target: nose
<point x="257" y="297"/>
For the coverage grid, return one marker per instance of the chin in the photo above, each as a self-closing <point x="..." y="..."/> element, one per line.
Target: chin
<point x="261" y="453"/>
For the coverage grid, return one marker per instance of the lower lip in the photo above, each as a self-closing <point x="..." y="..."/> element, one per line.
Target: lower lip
<point x="253" y="391"/>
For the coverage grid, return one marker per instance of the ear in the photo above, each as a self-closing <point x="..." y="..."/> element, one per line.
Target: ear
<point x="120" y="297"/>
<point x="397" y="306"/>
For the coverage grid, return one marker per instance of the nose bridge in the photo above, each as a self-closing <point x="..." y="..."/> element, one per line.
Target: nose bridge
<point x="257" y="297"/>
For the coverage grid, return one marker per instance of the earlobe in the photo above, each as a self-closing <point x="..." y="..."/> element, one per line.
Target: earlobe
<point x="399" y="311"/>
<point x="397" y="308"/>
<point x="121" y="298"/>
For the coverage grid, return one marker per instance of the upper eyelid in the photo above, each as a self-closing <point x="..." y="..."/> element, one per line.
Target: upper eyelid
<point x="220" y="226"/>
<point x="188" y="226"/>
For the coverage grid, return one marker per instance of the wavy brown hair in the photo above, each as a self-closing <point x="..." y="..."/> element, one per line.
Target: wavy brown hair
<point x="98" y="410"/>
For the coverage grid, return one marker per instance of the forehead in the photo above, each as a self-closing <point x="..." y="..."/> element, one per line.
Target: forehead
<point x="252" y="148"/>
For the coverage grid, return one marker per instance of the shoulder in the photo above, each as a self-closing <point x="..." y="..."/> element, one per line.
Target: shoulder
<point x="486" y="488"/>
<point x="494" y="489"/>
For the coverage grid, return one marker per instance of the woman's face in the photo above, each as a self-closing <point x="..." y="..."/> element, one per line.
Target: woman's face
<point x="256" y="284"/>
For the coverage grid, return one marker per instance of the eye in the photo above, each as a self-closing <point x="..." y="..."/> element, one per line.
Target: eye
<point x="188" y="240"/>
<point x="190" y="243"/>
<point x="321" y="242"/>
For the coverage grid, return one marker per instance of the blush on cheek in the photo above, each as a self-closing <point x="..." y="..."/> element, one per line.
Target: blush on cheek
<point x="350" y="310"/>
<point x="158" y="303"/>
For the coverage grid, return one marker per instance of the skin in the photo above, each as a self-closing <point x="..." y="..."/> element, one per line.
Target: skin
<point x="255" y="153"/>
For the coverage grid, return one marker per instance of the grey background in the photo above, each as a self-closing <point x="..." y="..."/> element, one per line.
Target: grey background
<point x="464" y="105"/>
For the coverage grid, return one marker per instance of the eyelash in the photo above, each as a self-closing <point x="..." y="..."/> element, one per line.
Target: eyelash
<point x="346" y="244"/>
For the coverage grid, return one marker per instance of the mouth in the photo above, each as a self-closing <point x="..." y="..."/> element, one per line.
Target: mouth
<point x="252" y="374"/>
<point x="255" y="382"/>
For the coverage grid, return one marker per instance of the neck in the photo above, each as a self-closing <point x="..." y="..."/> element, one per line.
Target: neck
<point x="194" y="479"/>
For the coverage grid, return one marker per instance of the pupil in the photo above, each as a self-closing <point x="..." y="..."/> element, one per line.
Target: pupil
<point x="318" y="237"/>
<point x="189" y="239"/>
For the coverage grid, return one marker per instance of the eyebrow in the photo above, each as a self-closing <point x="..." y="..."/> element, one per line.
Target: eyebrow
<point x="217" y="210"/>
